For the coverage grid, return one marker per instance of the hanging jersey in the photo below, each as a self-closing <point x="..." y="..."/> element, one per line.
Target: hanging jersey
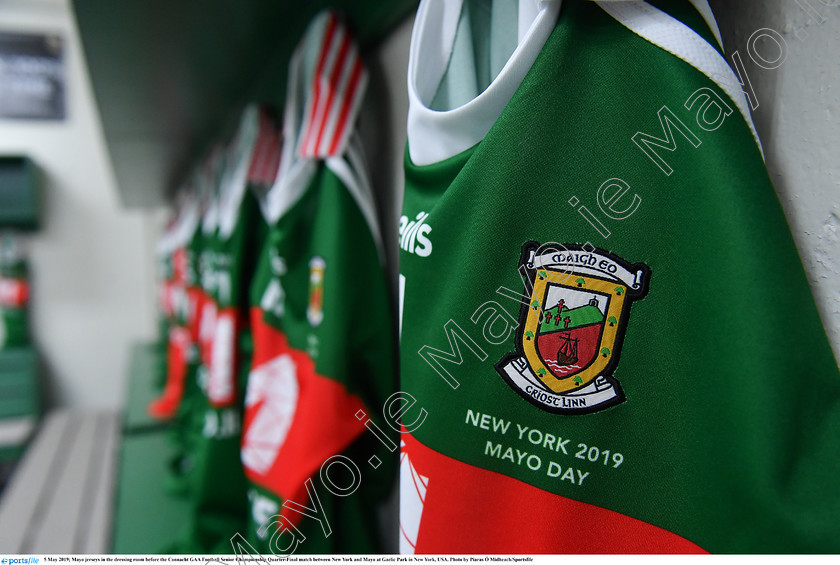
<point x="603" y="315"/>
<point x="207" y="281"/>
<point x="219" y="501"/>
<point x="163" y="302"/>
<point x="323" y="361"/>
<point x="178" y="305"/>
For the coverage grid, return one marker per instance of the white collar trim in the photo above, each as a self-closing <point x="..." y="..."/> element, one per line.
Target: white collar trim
<point x="433" y="135"/>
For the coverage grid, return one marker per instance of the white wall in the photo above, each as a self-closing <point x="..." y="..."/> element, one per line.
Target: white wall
<point x="798" y="120"/>
<point x="92" y="263"/>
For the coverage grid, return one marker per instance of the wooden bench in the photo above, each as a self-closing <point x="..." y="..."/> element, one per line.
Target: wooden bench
<point x="60" y="496"/>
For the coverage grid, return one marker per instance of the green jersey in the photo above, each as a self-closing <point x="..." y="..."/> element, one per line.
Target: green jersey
<point x="603" y="315"/>
<point x="323" y="360"/>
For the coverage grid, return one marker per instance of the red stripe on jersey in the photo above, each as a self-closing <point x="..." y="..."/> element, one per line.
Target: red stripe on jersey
<point x="295" y="419"/>
<point x="333" y="89"/>
<point x="347" y="105"/>
<point x="472" y="510"/>
<point x="196" y="298"/>
<point x="336" y="88"/>
<point x="319" y="70"/>
<point x="260" y="148"/>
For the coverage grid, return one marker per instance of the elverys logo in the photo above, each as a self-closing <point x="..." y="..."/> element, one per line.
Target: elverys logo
<point x="571" y="330"/>
<point x="414" y="235"/>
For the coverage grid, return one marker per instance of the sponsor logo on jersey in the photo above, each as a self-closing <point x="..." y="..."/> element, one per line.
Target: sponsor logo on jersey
<point x="414" y="235"/>
<point x="572" y="327"/>
<point x="315" y="312"/>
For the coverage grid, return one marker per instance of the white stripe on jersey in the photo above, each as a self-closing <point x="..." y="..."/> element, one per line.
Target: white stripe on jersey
<point x="680" y="40"/>
<point x="338" y="84"/>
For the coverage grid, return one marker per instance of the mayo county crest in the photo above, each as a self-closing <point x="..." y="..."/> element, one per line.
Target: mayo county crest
<point x="572" y="326"/>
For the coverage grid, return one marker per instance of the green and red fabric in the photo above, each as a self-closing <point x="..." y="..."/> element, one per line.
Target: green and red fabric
<point x="179" y="307"/>
<point x="603" y="313"/>
<point x="219" y="504"/>
<point x="14" y="294"/>
<point x="164" y="275"/>
<point x="189" y="419"/>
<point x="323" y="362"/>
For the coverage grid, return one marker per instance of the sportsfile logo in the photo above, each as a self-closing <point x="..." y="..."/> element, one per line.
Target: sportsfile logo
<point x="413" y="235"/>
<point x="11" y="560"/>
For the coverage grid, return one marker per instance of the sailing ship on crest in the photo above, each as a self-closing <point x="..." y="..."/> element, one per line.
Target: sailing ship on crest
<point x="568" y="352"/>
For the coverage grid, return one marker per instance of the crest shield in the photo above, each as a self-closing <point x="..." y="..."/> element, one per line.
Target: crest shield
<point x="571" y="329"/>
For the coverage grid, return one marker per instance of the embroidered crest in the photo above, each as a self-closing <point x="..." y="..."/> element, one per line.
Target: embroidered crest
<point x="570" y="331"/>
